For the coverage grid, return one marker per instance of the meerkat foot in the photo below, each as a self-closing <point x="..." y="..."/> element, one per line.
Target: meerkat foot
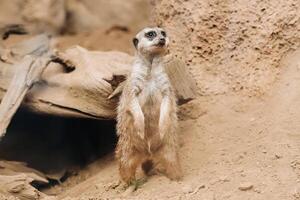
<point x="127" y="175"/>
<point x="170" y="165"/>
<point x="128" y="166"/>
<point x="173" y="171"/>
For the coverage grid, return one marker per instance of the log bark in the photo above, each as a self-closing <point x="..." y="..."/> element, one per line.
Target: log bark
<point x="7" y="30"/>
<point x="34" y="60"/>
<point x="29" y="72"/>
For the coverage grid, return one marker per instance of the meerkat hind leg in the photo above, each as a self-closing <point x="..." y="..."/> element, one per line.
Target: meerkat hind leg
<point x="168" y="163"/>
<point x="128" y="167"/>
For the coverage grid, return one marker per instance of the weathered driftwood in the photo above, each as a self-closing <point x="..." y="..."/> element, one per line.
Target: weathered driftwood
<point x="16" y="179"/>
<point x="182" y="82"/>
<point x="28" y="71"/>
<point x="19" y="186"/>
<point x="6" y="30"/>
<point x="11" y="168"/>
<point x="76" y="83"/>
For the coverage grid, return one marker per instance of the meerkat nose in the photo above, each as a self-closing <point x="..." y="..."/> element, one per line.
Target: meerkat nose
<point x="162" y="41"/>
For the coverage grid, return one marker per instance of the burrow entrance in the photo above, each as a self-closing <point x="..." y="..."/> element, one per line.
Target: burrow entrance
<point x="54" y="144"/>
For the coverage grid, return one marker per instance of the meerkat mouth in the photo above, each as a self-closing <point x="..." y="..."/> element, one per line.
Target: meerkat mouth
<point x="160" y="45"/>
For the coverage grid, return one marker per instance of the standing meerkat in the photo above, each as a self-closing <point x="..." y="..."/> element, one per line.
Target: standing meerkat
<point x="147" y="119"/>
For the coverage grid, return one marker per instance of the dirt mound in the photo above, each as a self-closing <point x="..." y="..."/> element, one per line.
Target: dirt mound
<point x="231" y="45"/>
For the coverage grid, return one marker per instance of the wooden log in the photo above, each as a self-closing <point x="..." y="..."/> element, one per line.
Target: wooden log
<point x="29" y="72"/>
<point x="16" y="178"/>
<point x="78" y="83"/>
<point x="181" y="80"/>
<point x="10" y="29"/>
<point x="11" y="168"/>
<point x="18" y="186"/>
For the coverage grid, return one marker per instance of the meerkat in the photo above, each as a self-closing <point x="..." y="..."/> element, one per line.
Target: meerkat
<point x="146" y="114"/>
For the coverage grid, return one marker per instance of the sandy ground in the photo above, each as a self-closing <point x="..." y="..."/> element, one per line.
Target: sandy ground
<point x="232" y="148"/>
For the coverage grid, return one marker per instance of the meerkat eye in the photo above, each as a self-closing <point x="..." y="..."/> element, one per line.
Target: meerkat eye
<point x="163" y="33"/>
<point x="150" y="34"/>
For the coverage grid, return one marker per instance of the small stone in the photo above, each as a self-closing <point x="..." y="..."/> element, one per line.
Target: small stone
<point x="98" y="186"/>
<point x="128" y="191"/>
<point x="227" y="196"/>
<point x="112" y="185"/>
<point x="224" y="179"/>
<point x="187" y="189"/>
<point x="277" y="156"/>
<point x="201" y="186"/>
<point x="257" y="191"/>
<point x="49" y="198"/>
<point x="245" y="186"/>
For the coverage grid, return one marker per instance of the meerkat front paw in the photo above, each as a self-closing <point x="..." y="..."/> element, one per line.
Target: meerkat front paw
<point x="139" y="124"/>
<point x="163" y="127"/>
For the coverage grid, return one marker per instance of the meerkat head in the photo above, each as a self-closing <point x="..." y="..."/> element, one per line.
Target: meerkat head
<point x="151" y="41"/>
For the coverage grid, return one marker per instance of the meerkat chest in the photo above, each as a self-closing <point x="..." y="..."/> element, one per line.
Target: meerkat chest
<point x="151" y="92"/>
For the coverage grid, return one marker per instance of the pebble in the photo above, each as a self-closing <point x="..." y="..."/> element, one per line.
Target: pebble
<point x="245" y="186"/>
<point x="128" y="191"/>
<point x="187" y="189"/>
<point x="201" y="186"/>
<point x="277" y="156"/>
<point x="224" y="179"/>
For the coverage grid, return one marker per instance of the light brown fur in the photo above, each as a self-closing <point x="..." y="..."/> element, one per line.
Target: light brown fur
<point x="147" y="119"/>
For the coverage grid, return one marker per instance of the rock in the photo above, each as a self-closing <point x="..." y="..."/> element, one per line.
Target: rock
<point x="128" y="191"/>
<point x="246" y="186"/>
<point x="201" y="186"/>
<point x="277" y="156"/>
<point x="224" y="179"/>
<point x="264" y="151"/>
<point x="49" y="198"/>
<point x="187" y="189"/>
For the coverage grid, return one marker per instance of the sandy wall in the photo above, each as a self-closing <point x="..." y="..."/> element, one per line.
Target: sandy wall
<point x="231" y="45"/>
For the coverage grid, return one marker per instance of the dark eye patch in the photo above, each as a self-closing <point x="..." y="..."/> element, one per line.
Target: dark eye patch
<point x="151" y="34"/>
<point x="163" y="33"/>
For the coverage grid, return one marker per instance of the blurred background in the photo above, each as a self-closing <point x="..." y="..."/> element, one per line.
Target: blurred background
<point x="94" y="24"/>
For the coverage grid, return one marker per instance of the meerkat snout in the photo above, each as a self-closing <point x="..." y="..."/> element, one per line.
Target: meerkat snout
<point x="162" y="41"/>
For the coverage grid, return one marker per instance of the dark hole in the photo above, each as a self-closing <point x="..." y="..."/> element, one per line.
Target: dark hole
<point x="50" y="143"/>
<point x="67" y="67"/>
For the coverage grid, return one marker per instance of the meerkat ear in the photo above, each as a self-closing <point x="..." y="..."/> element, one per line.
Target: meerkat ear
<point x="135" y="42"/>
